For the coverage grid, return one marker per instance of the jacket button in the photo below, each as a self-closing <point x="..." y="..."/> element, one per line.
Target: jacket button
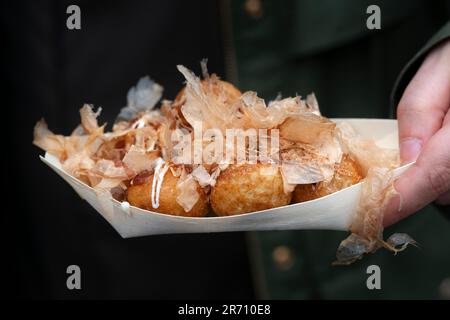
<point x="283" y="257"/>
<point x="253" y="8"/>
<point x="444" y="289"/>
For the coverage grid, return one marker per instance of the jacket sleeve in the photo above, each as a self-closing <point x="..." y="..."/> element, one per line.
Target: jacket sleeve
<point x="410" y="70"/>
<point x="413" y="65"/>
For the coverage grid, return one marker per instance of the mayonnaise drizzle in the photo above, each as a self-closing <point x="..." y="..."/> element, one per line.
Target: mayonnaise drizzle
<point x="138" y="124"/>
<point x="158" y="178"/>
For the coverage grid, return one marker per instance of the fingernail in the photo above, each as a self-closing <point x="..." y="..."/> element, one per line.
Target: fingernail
<point x="410" y="149"/>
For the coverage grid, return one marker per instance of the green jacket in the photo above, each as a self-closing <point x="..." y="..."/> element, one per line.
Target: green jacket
<point x="296" y="47"/>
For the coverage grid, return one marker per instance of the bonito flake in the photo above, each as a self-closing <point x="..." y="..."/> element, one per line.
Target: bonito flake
<point x="377" y="190"/>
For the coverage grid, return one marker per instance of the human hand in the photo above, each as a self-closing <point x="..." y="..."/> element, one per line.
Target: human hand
<point x="424" y="135"/>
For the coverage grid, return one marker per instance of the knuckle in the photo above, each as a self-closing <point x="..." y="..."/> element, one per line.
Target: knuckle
<point x="402" y="109"/>
<point x="418" y="120"/>
<point x="408" y="110"/>
<point x="439" y="178"/>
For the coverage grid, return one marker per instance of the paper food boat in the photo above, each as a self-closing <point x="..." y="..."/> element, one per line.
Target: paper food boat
<point x="332" y="212"/>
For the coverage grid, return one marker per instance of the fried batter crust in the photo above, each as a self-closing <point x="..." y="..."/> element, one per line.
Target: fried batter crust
<point x="244" y="188"/>
<point x="140" y="196"/>
<point x="347" y="173"/>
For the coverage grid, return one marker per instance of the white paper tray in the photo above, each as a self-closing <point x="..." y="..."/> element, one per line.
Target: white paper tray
<point x="332" y="212"/>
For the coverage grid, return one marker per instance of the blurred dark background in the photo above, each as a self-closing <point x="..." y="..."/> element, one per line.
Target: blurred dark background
<point x="50" y="72"/>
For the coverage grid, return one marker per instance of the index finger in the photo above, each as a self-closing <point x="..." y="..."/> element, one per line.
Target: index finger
<point x="424" y="103"/>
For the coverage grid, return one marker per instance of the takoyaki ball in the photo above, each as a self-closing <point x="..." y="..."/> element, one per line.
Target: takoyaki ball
<point x="247" y="188"/>
<point x="347" y="173"/>
<point x="231" y="93"/>
<point x="139" y="195"/>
